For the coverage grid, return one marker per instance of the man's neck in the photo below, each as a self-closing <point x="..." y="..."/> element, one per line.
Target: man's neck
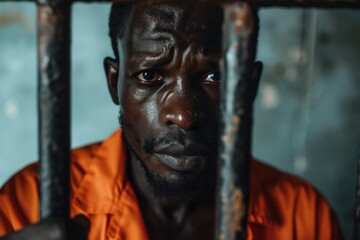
<point x="167" y="216"/>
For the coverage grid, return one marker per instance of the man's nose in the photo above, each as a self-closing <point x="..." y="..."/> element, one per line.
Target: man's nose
<point x="184" y="119"/>
<point x="181" y="108"/>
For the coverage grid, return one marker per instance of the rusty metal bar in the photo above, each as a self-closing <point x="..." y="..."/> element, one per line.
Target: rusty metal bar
<point x="264" y="3"/>
<point x="357" y="204"/>
<point x="309" y="3"/>
<point x="235" y="124"/>
<point x="260" y="3"/>
<point x="54" y="107"/>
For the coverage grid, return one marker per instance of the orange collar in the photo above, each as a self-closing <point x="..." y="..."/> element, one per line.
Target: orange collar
<point x="105" y="179"/>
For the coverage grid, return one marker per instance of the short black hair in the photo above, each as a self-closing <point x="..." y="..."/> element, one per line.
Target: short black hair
<point x="118" y="21"/>
<point x="120" y="14"/>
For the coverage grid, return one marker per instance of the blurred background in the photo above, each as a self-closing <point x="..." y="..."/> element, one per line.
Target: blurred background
<point x="307" y="118"/>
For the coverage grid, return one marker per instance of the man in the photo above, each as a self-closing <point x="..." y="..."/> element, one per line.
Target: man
<point x="155" y="177"/>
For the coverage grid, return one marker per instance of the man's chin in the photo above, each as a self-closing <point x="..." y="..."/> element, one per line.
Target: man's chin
<point x="180" y="185"/>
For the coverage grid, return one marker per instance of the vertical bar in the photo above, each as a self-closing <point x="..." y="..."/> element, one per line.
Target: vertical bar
<point x="235" y="126"/>
<point x="54" y="107"/>
<point x="357" y="204"/>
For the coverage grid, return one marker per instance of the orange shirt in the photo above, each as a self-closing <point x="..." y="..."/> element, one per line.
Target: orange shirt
<point x="281" y="206"/>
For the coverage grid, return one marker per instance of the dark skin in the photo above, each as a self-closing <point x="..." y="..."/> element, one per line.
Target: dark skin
<point x="167" y="80"/>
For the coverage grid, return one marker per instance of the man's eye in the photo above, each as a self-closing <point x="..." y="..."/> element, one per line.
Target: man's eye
<point x="150" y="76"/>
<point x="212" y="77"/>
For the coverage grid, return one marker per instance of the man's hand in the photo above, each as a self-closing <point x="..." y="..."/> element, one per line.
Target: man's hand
<point x="53" y="229"/>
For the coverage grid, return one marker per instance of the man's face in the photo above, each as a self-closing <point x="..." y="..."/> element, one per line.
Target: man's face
<point x="170" y="94"/>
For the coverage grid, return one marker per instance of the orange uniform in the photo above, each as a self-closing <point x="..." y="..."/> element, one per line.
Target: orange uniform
<point x="281" y="206"/>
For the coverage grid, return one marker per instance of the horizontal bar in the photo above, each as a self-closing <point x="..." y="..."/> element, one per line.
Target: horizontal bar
<point x="309" y="3"/>
<point x="264" y="3"/>
<point x="260" y="3"/>
<point x="268" y="3"/>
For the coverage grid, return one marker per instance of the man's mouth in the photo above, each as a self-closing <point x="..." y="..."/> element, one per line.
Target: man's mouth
<point x="178" y="149"/>
<point x="183" y="163"/>
<point x="180" y="154"/>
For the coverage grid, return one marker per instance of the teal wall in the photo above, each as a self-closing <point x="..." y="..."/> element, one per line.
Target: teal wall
<point x="307" y="118"/>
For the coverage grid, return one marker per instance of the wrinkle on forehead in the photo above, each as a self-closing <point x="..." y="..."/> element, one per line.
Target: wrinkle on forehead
<point x="149" y="60"/>
<point x="179" y="18"/>
<point x="158" y="26"/>
<point x="170" y="16"/>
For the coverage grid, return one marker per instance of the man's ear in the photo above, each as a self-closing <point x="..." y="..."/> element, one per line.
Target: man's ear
<point x="112" y="75"/>
<point x="255" y="79"/>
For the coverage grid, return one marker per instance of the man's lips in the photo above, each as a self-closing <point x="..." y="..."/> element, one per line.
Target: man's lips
<point x="182" y="162"/>
<point x="176" y="149"/>
<point x="190" y="156"/>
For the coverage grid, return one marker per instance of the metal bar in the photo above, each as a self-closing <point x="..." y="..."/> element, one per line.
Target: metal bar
<point x="54" y="107"/>
<point x="260" y="3"/>
<point x="357" y="204"/>
<point x="235" y="124"/>
<point x="309" y="3"/>
<point x="264" y="3"/>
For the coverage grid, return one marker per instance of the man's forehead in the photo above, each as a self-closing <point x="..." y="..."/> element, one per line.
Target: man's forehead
<point x="184" y="18"/>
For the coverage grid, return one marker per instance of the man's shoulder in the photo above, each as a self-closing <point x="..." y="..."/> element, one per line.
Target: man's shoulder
<point x="284" y="196"/>
<point x="81" y="159"/>
<point x="27" y="177"/>
<point x="18" y="193"/>
<point x="22" y="191"/>
<point x="288" y="202"/>
<point x="271" y="187"/>
<point x="271" y="177"/>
